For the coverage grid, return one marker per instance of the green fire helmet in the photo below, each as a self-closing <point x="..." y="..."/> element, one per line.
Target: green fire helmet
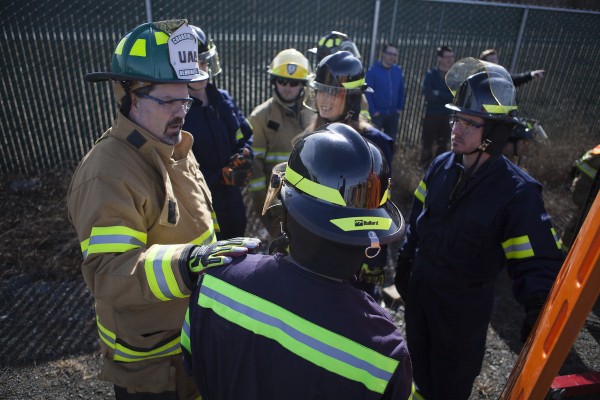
<point x="155" y="52"/>
<point x="482" y="89"/>
<point x="337" y="186"/>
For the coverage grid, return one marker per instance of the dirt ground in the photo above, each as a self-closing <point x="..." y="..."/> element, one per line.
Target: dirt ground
<point x="47" y="330"/>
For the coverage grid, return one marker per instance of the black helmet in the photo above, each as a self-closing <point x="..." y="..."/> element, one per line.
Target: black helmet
<point x="485" y="90"/>
<point x="207" y="52"/>
<point x="333" y="42"/>
<point x="337" y="184"/>
<point x="482" y="89"/>
<point x="338" y="74"/>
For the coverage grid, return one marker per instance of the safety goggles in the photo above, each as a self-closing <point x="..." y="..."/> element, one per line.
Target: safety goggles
<point x="287" y="82"/>
<point x="464" y="123"/>
<point x="171" y="105"/>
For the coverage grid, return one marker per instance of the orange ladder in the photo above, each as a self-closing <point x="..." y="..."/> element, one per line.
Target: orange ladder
<point x="569" y="303"/>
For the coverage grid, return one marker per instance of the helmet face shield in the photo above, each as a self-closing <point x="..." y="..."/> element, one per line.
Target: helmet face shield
<point x="351" y="47"/>
<point x="481" y="88"/>
<point x="333" y="97"/>
<point x="211" y="59"/>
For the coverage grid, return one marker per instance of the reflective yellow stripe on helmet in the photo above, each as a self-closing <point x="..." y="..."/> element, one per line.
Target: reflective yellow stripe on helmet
<point x="312" y="188"/>
<point x="139" y="48"/>
<point x="518" y="247"/>
<point x="161" y="38"/>
<point x="498" y="109"/>
<point x="362" y="223"/>
<point x="354" y="84"/>
<point x="119" y="49"/>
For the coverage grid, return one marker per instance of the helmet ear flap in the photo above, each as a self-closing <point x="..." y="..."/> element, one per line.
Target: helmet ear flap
<point x="496" y="135"/>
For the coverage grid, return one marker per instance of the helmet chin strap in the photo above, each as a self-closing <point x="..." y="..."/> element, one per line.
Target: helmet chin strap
<point x="463" y="179"/>
<point x="280" y="244"/>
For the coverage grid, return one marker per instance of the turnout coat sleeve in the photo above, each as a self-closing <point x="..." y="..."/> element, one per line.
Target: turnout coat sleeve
<point x="137" y="206"/>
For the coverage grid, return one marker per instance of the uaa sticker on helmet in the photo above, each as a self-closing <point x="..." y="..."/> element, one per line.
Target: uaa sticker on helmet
<point x="183" y="53"/>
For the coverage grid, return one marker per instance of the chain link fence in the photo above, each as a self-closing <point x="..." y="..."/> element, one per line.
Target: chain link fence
<point x="51" y="117"/>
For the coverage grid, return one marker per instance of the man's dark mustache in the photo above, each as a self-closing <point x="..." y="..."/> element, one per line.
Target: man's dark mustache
<point x="176" y="120"/>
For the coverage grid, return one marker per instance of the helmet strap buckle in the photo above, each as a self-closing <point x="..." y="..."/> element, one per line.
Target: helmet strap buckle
<point x="374" y="249"/>
<point x="484" y="145"/>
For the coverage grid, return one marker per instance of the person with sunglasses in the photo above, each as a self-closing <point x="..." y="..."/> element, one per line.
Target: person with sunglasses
<point x="475" y="215"/>
<point x="222" y="142"/>
<point x="143" y="214"/>
<point x="275" y="122"/>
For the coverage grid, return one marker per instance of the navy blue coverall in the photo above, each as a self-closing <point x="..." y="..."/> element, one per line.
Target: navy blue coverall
<point x="252" y="333"/>
<point x="220" y="130"/>
<point x="458" y="249"/>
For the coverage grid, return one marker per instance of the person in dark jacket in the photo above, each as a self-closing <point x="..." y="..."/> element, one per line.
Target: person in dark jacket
<point x="252" y="332"/>
<point x="436" y="131"/>
<point x="386" y="102"/>
<point x="474" y="214"/>
<point x="518" y="79"/>
<point x="335" y="94"/>
<point x="222" y="143"/>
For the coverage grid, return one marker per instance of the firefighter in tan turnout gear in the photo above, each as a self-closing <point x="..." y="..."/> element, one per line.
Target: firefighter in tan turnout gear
<point x="275" y="122"/>
<point x="143" y="214"/>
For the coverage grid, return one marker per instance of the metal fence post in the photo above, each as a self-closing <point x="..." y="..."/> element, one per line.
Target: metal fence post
<point x="148" y="10"/>
<point x="519" y="41"/>
<point x="375" y="30"/>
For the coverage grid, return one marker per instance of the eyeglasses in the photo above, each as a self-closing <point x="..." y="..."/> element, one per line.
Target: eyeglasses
<point x="172" y="104"/>
<point x="285" y="82"/>
<point x="464" y="123"/>
<point x="390" y="54"/>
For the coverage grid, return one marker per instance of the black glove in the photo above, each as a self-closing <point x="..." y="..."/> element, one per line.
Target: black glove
<point x="371" y="274"/>
<point x="532" y="311"/>
<point x="219" y="253"/>
<point x="403" y="269"/>
<point x="239" y="169"/>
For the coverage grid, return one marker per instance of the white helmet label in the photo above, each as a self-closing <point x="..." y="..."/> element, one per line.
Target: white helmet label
<point x="183" y="53"/>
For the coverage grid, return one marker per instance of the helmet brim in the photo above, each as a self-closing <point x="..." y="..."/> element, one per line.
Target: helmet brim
<point x="484" y="115"/>
<point x="318" y="217"/>
<point x="105" y="76"/>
